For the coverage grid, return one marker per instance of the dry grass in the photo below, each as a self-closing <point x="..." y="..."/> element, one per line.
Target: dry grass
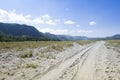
<point x="56" y="45"/>
<point x="85" y="42"/>
<point x="114" y="44"/>
<point x="31" y="65"/>
<point x="27" y="54"/>
<point x="24" y="44"/>
<point x="32" y="44"/>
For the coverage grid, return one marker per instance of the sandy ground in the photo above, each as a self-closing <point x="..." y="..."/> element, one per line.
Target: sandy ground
<point x="90" y="62"/>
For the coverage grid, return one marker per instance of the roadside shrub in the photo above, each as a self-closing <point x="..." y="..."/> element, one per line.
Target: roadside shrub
<point x="26" y="54"/>
<point x="31" y="65"/>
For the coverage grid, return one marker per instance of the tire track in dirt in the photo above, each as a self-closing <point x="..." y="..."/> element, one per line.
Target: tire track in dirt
<point x="79" y="60"/>
<point x="54" y="66"/>
<point x="82" y="60"/>
<point x="86" y="68"/>
<point x="57" y="71"/>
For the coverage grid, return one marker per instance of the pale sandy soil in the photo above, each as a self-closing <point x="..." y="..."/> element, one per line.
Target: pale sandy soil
<point x="90" y="62"/>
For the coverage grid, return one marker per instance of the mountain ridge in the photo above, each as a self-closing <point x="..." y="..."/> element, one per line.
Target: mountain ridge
<point x="27" y="32"/>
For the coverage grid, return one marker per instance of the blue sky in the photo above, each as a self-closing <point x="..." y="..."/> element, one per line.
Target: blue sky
<point x="92" y="18"/>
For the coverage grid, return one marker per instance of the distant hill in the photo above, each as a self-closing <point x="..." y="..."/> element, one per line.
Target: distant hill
<point x="52" y="36"/>
<point x="22" y="32"/>
<point x="114" y="37"/>
<point x="117" y="36"/>
<point x="18" y="32"/>
<point x="13" y="31"/>
<point x="65" y="37"/>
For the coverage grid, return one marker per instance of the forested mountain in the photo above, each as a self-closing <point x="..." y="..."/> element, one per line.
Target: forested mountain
<point x="18" y="32"/>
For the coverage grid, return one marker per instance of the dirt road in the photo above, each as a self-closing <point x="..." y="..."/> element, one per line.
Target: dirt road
<point x="94" y="62"/>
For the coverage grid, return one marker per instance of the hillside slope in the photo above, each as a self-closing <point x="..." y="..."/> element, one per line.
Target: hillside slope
<point x="20" y="30"/>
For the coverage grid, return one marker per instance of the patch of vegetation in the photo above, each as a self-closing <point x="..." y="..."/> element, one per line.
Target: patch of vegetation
<point x="27" y="54"/>
<point x="113" y="44"/>
<point x="33" y="44"/>
<point x="3" y="78"/>
<point x="41" y="53"/>
<point x="31" y="65"/>
<point x="59" y="46"/>
<point x="56" y="46"/>
<point x="50" y="56"/>
<point x="85" y="42"/>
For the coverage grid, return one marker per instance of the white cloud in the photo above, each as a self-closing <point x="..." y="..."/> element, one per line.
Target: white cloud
<point x="92" y="23"/>
<point x="13" y="17"/>
<point x="51" y="22"/>
<point x="55" y="31"/>
<point x="46" y="16"/>
<point x="69" y="22"/>
<point x="38" y="21"/>
<point x="84" y="31"/>
<point x="28" y="16"/>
